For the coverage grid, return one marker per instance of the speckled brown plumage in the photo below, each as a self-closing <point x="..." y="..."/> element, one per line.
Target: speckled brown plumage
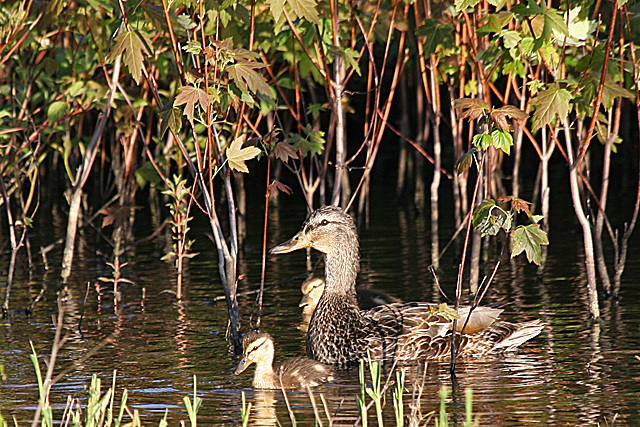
<point x="340" y="333"/>
<point x="296" y="373"/>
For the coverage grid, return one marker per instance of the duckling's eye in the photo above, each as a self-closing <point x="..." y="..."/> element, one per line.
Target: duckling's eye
<point x="324" y="222"/>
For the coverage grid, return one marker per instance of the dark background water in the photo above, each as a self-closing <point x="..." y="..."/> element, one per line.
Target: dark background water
<point x="574" y="373"/>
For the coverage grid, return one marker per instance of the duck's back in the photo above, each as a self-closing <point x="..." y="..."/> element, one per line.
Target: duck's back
<point x="302" y="372"/>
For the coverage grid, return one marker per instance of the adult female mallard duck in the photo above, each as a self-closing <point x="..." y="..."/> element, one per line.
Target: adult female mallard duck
<point x="341" y="334"/>
<point x="296" y="373"/>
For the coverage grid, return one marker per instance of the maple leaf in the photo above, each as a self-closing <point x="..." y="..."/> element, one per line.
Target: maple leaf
<point x="482" y="141"/>
<point x="244" y="75"/>
<point x="236" y="155"/>
<point x="530" y="239"/>
<point x="550" y="103"/>
<point x="471" y="108"/>
<point x="276" y="7"/>
<point x="190" y="96"/>
<point x="501" y="140"/>
<point x="517" y="204"/>
<point x="281" y="187"/>
<point x="285" y="151"/>
<point x="305" y="9"/>
<point x="435" y="34"/>
<point x="131" y="44"/>
<point x="171" y="119"/>
<point x="500" y="115"/>
<point x="464" y="4"/>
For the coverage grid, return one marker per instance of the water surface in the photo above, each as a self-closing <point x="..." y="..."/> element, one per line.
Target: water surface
<point x="574" y="373"/>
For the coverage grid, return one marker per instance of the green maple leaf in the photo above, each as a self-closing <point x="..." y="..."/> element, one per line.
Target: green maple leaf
<point x="465" y="4"/>
<point x="530" y="239"/>
<point x="550" y="103"/>
<point x="482" y="141"/>
<point x="276" y="7"/>
<point x="496" y="22"/>
<point x="553" y="22"/>
<point x="190" y="96"/>
<point x="171" y="119"/>
<point x="244" y="75"/>
<point x="435" y="34"/>
<point x="305" y="9"/>
<point x="482" y="211"/>
<point x="236" y="155"/>
<point x="131" y="44"/>
<point x="501" y="140"/>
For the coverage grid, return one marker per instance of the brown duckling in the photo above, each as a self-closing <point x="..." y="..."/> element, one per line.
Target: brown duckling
<point x="299" y="372"/>
<point x="313" y="287"/>
<point x="342" y="334"/>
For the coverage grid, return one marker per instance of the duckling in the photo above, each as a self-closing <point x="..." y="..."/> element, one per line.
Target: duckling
<point x="313" y="287"/>
<point x="341" y="334"/>
<point x="296" y="373"/>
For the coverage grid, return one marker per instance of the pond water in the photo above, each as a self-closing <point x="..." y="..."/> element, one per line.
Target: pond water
<point x="574" y="373"/>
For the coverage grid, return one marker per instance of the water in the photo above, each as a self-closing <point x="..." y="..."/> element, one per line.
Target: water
<point x="574" y="373"/>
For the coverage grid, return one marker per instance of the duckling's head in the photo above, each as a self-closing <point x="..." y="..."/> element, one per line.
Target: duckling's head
<point x="258" y="349"/>
<point x="327" y="229"/>
<point x="312" y="289"/>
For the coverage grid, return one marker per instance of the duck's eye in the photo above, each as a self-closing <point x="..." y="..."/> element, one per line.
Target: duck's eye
<point x="324" y="222"/>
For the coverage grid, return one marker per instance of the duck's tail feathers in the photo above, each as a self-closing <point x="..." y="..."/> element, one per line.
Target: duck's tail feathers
<point x="524" y="333"/>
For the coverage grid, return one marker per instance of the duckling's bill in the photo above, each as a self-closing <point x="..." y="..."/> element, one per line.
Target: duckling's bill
<point x="244" y="364"/>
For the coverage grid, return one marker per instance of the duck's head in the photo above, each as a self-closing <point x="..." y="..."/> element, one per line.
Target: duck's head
<point x="312" y="291"/>
<point x="327" y="229"/>
<point x="258" y="349"/>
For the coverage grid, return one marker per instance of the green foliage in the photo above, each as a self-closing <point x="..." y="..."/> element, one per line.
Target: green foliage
<point x="551" y="103"/>
<point x="133" y="45"/>
<point x="498" y="127"/>
<point x="237" y="155"/>
<point x="193" y="406"/>
<point x="489" y="218"/>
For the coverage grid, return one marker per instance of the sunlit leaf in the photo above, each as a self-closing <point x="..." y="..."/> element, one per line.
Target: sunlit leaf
<point x="190" y="96"/>
<point x="244" y="75"/>
<point x="471" y="108"/>
<point x="500" y="116"/>
<point x="305" y="9"/>
<point x="56" y="110"/>
<point x="501" y="140"/>
<point x="236" y="155"/>
<point x="132" y="47"/>
<point x="496" y="22"/>
<point x="276" y="7"/>
<point x="482" y="141"/>
<point x="465" y="4"/>
<point x="550" y="103"/>
<point x="530" y="239"/>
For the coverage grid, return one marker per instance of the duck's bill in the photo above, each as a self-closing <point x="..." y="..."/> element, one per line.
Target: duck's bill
<point x="244" y="364"/>
<point x="296" y="242"/>
<point x="304" y="301"/>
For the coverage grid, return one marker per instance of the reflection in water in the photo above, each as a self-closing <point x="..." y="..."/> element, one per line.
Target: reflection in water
<point x="574" y="373"/>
